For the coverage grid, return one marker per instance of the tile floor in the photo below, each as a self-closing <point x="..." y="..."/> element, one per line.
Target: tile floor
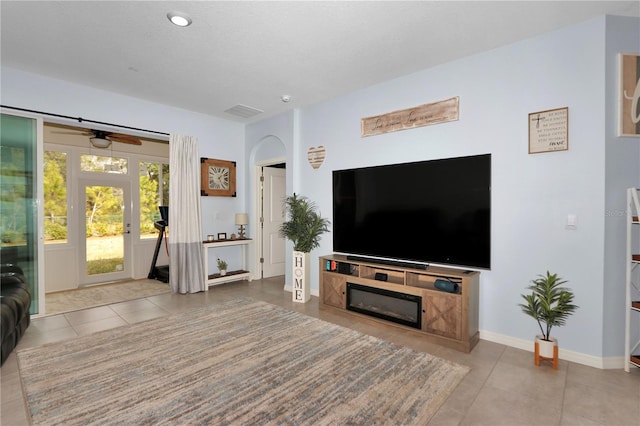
<point x="503" y="387"/>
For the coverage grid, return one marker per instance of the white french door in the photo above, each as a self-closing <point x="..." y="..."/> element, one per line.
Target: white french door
<point x="105" y="244"/>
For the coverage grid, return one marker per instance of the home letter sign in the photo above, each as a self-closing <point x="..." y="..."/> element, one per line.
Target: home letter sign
<point x="300" y="290"/>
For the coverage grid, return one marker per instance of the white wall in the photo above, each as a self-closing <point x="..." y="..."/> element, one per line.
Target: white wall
<point x="218" y="138"/>
<point x="268" y="140"/>
<point x="531" y="194"/>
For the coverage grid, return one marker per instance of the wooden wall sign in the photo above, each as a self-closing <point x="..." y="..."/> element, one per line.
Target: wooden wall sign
<point x="423" y="115"/>
<point x="549" y="130"/>
<point x="629" y="95"/>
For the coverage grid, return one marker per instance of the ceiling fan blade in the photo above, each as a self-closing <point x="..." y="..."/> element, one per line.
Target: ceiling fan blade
<point x="119" y="137"/>
<point x="74" y="133"/>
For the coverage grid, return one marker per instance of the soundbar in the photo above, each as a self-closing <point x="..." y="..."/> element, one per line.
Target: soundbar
<point x="397" y="263"/>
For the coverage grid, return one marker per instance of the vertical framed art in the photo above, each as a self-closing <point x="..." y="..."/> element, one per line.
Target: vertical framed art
<point x="629" y="94"/>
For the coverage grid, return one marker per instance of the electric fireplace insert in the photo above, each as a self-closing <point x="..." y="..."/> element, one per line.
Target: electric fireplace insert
<point x="389" y="305"/>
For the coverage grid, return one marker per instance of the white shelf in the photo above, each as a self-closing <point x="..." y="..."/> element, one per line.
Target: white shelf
<point x="227" y="243"/>
<point x="632" y="304"/>
<point x="215" y="279"/>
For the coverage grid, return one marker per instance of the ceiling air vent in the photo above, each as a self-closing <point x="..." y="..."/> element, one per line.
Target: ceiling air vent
<point x="244" y="111"/>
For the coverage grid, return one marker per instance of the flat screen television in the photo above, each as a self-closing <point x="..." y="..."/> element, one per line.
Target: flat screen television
<point x="436" y="211"/>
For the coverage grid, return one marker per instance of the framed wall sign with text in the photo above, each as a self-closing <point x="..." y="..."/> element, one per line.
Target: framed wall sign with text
<point x="549" y="130"/>
<point x="217" y="177"/>
<point x="629" y="95"/>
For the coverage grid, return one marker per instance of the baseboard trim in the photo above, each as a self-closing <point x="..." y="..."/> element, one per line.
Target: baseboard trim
<point x="609" y="363"/>
<point x="567" y="355"/>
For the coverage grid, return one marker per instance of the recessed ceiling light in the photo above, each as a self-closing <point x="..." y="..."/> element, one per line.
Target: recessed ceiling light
<point x="180" y="19"/>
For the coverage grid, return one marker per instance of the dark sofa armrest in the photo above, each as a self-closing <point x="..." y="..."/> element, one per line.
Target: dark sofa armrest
<point x="11" y="282"/>
<point x="10" y="267"/>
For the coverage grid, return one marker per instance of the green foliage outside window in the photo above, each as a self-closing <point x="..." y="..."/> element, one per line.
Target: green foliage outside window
<point x="55" y="196"/>
<point x="154" y="192"/>
<point x="14" y="195"/>
<point x="103" y="208"/>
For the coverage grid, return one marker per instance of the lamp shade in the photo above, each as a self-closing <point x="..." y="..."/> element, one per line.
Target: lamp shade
<point x="242" y="218"/>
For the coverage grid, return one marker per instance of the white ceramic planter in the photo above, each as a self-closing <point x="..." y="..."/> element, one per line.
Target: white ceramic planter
<point x="300" y="291"/>
<point x="545" y="347"/>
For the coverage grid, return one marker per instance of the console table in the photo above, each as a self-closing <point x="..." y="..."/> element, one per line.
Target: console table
<point x="242" y="274"/>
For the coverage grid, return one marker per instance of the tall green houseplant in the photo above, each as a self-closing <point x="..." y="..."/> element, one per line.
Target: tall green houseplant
<point x="549" y="303"/>
<point x="305" y="225"/>
<point x="304" y="228"/>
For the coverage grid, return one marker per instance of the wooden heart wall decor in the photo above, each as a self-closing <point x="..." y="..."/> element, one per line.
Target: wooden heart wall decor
<point x="316" y="156"/>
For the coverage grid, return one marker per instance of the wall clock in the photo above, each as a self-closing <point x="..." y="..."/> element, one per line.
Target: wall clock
<point x="217" y="177"/>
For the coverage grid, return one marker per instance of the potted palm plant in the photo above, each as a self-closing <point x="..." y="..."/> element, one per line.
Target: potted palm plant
<point x="550" y="305"/>
<point x="303" y="228"/>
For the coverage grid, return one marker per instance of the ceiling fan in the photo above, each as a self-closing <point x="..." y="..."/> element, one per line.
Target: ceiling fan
<point x="103" y="139"/>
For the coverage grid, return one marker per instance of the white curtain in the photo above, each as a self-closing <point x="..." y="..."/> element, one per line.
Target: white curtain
<point x="186" y="269"/>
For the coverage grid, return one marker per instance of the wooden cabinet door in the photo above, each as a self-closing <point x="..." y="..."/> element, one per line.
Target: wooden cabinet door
<point x="442" y="314"/>
<point x="334" y="289"/>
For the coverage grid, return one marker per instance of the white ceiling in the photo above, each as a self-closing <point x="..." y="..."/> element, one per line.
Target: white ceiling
<point x="251" y="53"/>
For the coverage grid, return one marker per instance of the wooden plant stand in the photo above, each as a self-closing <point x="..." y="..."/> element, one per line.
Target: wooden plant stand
<point x="538" y="357"/>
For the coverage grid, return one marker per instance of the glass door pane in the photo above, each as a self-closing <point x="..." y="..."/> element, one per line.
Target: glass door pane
<point x="107" y="233"/>
<point x="19" y="231"/>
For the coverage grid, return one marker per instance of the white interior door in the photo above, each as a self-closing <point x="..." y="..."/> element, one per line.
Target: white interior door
<point x="273" y="214"/>
<point x="105" y="244"/>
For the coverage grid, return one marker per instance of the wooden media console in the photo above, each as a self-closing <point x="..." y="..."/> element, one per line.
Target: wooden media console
<point x="406" y="297"/>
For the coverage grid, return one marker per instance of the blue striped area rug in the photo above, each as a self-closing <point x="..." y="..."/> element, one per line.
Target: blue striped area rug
<point x="240" y="362"/>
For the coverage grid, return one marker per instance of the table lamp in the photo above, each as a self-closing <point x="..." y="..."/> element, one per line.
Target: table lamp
<point x="241" y="220"/>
